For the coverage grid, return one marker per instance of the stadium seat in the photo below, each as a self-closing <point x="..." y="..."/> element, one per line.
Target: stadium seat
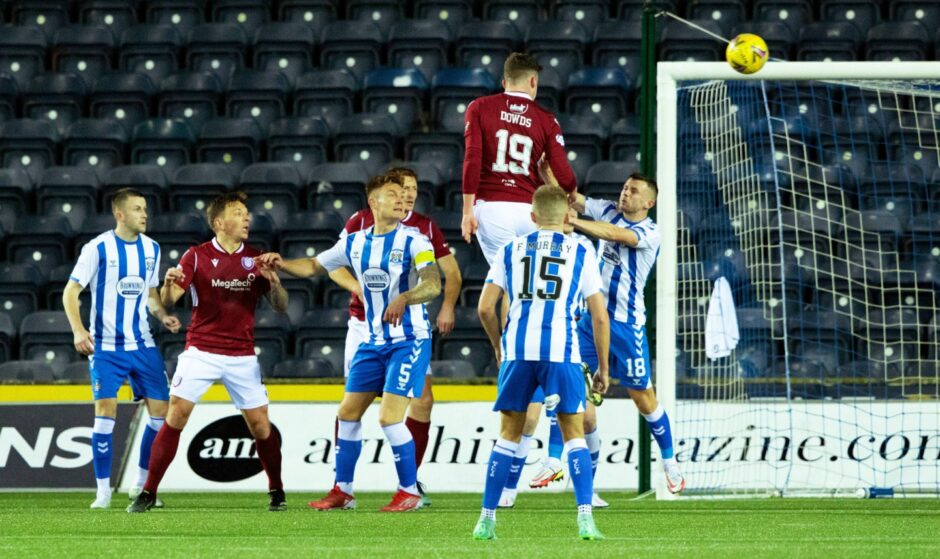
<point x="44" y="242"/>
<point x="327" y="94"/>
<point x="453" y="369"/>
<point x="306" y="234"/>
<point x="368" y="139"/>
<point x="176" y="233"/>
<point x="420" y="45"/>
<point x="93" y="226"/>
<point x="13" y="372"/>
<point x="191" y="97"/>
<point x="726" y="13"/>
<point x="454" y="13"/>
<point x="218" y="48"/>
<point x="164" y="142"/>
<point x="19" y="293"/>
<point x="452" y="89"/>
<point x="400" y="94"/>
<point x="551" y="88"/>
<point x="924" y="12"/>
<point x="863" y="14"/>
<point x="7" y="98"/>
<point x="250" y="15"/>
<point x="272" y="330"/>
<point x="602" y="92"/>
<point x="113" y="15"/>
<point x="382" y="13"/>
<point x="795" y="14"/>
<point x="151" y="50"/>
<point x="124" y="98"/>
<point x="84" y="51"/>
<point x="15" y="191"/>
<point x="584" y="141"/>
<point x="71" y="192"/>
<point x="605" y="179"/>
<point x="331" y="351"/>
<point x="444" y="151"/>
<point x="96" y="144"/>
<point x="486" y="44"/>
<point x="829" y="40"/>
<point x="45" y="15"/>
<point x="779" y="37"/>
<point x="75" y="373"/>
<point x="520" y="13"/>
<point x="303" y="294"/>
<point x="896" y="41"/>
<point x="559" y="45"/>
<point x="338" y="187"/>
<point x="335" y="297"/>
<point x="299" y="141"/>
<point x="681" y="42"/>
<point x="632" y="10"/>
<point x="195" y="185"/>
<point x="321" y="324"/>
<point x="273" y="189"/>
<point x="182" y="15"/>
<point x="315" y="14"/>
<point x="474" y="276"/>
<point x="231" y="141"/>
<point x="305" y="369"/>
<point x="616" y="44"/>
<point x="7" y="337"/>
<point x="56" y="98"/>
<point x="259" y="96"/>
<point x="588" y="13"/>
<point x="624" y="137"/>
<point x="263" y="237"/>
<point x="149" y="180"/>
<point x="351" y="45"/>
<point x="29" y="145"/>
<point x="22" y="51"/>
<point x="467" y="342"/>
<point x="286" y="48"/>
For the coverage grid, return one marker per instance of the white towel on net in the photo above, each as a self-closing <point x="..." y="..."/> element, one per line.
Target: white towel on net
<point x="721" y="325"/>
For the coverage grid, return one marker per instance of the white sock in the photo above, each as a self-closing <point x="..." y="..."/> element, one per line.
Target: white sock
<point x="585" y="509"/>
<point x="345" y="487"/>
<point x="104" y="486"/>
<point x="488" y="513"/>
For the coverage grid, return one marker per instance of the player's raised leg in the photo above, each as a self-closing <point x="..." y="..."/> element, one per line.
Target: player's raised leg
<point x="658" y="422"/>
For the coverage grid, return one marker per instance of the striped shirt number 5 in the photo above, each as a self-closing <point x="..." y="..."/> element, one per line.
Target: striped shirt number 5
<point x="520" y="153"/>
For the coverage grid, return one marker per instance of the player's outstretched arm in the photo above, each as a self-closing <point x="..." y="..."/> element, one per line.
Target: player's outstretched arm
<point x="80" y="336"/>
<point x="601" y="322"/>
<point x="605" y="231"/>
<point x="171" y="291"/>
<point x="490" y="297"/>
<point x="453" y="281"/>
<point x="344" y="278"/>
<point x="298" y="267"/>
<point x="156" y="308"/>
<point x="429" y="287"/>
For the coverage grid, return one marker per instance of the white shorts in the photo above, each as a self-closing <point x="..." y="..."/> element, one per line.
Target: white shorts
<point x="197" y="370"/>
<point x="357" y="332"/>
<point x="498" y="223"/>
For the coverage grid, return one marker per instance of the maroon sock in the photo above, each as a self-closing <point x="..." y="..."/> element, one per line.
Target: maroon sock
<point x="161" y="455"/>
<point x="269" y="452"/>
<point x="419" y="432"/>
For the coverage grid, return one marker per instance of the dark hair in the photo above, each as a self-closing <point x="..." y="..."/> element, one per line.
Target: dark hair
<point x="401" y="172"/>
<point x="379" y="181"/>
<point x="218" y="205"/>
<point x="121" y="196"/>
<point x="518" y="64"/>
<point x="651" y="183"/>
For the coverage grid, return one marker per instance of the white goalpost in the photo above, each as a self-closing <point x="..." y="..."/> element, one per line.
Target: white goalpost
<point x="813" y="189"/>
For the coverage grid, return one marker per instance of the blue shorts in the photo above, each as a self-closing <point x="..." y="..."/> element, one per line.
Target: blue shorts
<point x="629" y="352"/>
<point x="393" y="368"/>
<point x="143" y="367"/>
<point x="519" y="380"/>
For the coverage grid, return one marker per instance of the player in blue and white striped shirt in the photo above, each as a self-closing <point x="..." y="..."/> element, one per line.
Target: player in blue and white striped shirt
<point x="547" y="275"/>
<point x="121" y="268"/>
<point x="386" y="259"/>
<point x="629" y="245"/>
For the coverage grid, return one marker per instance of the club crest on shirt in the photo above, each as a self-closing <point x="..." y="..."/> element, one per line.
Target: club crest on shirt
<point x="150" y="263"/>
<point x="611" y="254"/>
<point x="396" y="256"/>
<point x="248" y="262"/>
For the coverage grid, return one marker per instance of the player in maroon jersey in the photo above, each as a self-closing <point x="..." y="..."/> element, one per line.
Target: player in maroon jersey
<point x="419" y="411"/>
<point x="225" y="284"/>
<point x="506" y="136"/>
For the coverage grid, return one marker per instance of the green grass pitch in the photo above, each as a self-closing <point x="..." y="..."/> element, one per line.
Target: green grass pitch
<point x="541" y="525"/>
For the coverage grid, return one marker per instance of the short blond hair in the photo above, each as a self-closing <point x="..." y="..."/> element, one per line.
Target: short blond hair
<point x="549" y="204"/>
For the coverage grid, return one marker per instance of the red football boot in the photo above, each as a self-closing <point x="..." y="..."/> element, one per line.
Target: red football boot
<point x="403" y="502"/>
<point x="335" y="499"/>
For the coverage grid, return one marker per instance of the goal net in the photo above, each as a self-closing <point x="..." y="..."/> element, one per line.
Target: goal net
<point x="813" y="191"/>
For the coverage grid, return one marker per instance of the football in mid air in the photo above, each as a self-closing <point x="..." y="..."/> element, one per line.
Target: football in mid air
<point x="747" y="53"/>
